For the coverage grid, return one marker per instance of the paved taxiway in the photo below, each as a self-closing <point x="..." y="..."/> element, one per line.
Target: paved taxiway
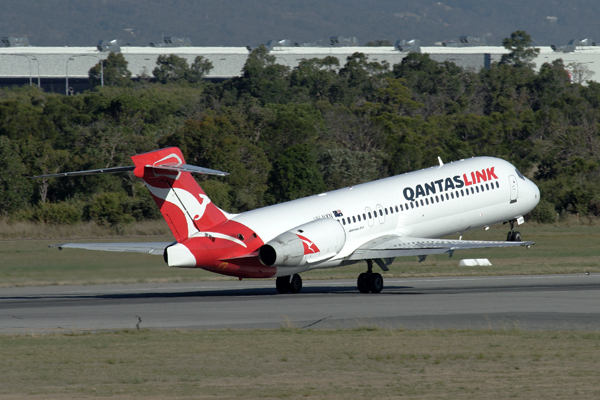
<point x="552" y="302"/>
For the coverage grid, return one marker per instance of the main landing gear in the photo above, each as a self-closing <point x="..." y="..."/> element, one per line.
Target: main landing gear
<point x="369" y="281"/>
<point x="289" y="284"/>
<point x="513" y="236"/>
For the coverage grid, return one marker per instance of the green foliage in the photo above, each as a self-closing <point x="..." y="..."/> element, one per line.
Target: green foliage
<point x="173" y="68"/>
<point x="113" y="70"/>
<point x="15" y="189"/>
<point x="521" y="53"/>
<point x="108" y="209"/>
<point x="544" y="213"/>
<point x="295" y="174"/>
<point x="285" y="133"/>
<point x="65" y="213"/>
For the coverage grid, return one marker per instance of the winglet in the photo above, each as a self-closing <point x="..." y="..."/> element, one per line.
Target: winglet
<point x="441" y="162"/>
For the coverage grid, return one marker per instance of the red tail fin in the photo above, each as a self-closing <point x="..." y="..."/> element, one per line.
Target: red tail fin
<point x="182" y="202"/>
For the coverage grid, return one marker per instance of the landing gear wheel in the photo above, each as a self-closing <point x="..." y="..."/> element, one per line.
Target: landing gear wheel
<point x="510" y="236"/>
<point x="375" y="283"/>
<point x="516" y="237"/>
<point x="295" y="284"/>
<point x="363" y="283"/>
<point x="283" y="284"/>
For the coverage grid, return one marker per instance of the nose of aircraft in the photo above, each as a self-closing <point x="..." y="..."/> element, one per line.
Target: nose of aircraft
<point x="533" y="194"/>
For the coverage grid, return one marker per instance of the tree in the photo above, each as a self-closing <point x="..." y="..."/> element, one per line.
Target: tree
<point x="580" y="72"/>
<point x="15" y="189"/>
<point x="521" y="52"/>
<point x="199" y="69"/>
<point x="173" y="68"/>
<point x="262" y="78"/>
<point x="115" y="71"/>
<point x="295" y="174"/>
<point x="170" y="68"/>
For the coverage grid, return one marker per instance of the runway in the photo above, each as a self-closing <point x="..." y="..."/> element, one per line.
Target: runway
<point x="549" y="302"/>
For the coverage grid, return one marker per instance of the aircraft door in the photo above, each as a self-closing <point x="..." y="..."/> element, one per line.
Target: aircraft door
<point x="370" y="220"/>
<point x="514" y="189"/>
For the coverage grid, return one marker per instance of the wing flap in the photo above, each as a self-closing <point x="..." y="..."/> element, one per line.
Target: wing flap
<point x="155" y="248"/>
<point x="387" y="247"/>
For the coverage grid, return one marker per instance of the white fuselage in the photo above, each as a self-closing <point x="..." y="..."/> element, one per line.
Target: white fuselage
<point x="430" y="203"/>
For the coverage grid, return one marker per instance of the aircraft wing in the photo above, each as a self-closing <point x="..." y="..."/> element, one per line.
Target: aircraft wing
<point x="156" y="248"/>
<point x="394" y="246"/>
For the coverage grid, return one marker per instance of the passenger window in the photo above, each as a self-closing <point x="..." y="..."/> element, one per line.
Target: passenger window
<point x="472" y="191"/>
<point x="358" y="217"/>
<point x="364" y="217"/>
<point x="482" y="188"/>
<point x="401" y="208"/>
<point x="487" y="186"/>
<point x="447" y="196"/>
<point x="396" y="208"/>
<point x="349" y="220"/>
<point x="427" y="201"/>
<point x="386" y="211"/>
<point x="353" y="219"/>
<point x="343" y="221"/>
<point x="497" y="185"/>
<point x="437" y="199"/>
<point x="422" y="202"/>
<point x="477" y="188"/>
<point x="452" y="195"/>
<point x="412" y="205"/>
<point x="370" y="216"/>
<point x="462" y="193"/>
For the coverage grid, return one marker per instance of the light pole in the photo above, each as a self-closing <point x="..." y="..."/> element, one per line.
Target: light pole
<point x="29" y="61"/>
<point x="38" y="68"/>
<point x="67" y="79"/>
<point x="84" y="55"/>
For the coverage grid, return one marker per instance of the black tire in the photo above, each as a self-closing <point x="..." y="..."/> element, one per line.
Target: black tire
<point x="295" y="285"/>
<point x="510" y="236"/>
<point x="375" y="283"/>
<point x="283" y="284"/>
<point x="362" y="283"/>
<point x="517" y="237"/>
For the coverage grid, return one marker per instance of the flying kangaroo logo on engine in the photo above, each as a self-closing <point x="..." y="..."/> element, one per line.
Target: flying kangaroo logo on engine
<point x="449" y="183"/>
<point x="309" y="247"/>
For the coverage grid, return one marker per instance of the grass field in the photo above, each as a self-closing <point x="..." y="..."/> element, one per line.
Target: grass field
<point x="558" y="249"/>
<point x="294" y="363"/>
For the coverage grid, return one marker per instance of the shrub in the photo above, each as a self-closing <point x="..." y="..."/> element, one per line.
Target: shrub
<point x="58" y="213"/>
<point x="544" y="212"/>
<point x="108" y="209"/>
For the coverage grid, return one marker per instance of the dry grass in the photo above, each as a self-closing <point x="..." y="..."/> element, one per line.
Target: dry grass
<point x="294" y="363"/>
<point x="31" y="230"/>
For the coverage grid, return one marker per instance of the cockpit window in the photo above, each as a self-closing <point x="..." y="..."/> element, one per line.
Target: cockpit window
<point x="520" y="174"/>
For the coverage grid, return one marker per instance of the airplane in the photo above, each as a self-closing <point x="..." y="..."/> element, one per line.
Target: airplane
<point x="403" y="215"/>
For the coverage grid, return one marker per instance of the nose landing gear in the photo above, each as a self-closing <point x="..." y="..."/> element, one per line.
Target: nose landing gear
<point x="369" y="281"/>
<point x="513" y="236"/>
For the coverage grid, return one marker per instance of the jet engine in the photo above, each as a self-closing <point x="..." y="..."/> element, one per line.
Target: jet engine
<point x="313" y="242"/>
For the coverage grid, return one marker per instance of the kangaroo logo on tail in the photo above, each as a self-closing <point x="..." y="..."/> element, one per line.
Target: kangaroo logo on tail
<point x="185" y="206"/>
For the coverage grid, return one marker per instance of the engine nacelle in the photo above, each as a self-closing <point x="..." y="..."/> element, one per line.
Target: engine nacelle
<point x="309" y="243"/>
